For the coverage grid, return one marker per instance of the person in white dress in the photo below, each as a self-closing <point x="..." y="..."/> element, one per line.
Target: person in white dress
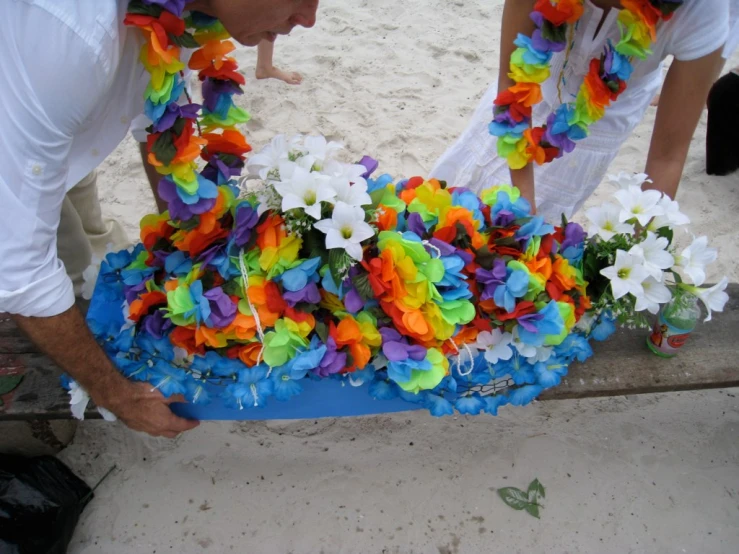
<point x="695" y="36"/>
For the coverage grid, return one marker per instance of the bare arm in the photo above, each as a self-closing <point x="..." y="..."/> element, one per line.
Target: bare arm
<point x="67" y="340"/>
<point x="682" y="101"/>
<point x="153" y="176"/>
<point x="516" y="20"/>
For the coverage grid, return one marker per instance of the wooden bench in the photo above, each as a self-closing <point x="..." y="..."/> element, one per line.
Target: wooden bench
<point x="621" y="366"/>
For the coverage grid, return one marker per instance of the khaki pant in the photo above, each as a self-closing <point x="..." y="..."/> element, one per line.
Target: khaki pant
<point x="83" y="231"/>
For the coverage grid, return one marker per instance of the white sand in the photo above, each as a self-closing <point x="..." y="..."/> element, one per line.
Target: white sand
<point x="397" y="80"/>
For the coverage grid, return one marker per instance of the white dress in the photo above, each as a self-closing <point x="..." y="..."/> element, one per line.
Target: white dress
<point x="698" y="28"/>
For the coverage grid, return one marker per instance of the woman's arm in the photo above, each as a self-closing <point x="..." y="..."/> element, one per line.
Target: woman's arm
<point x="683" y="98"/>
<point x="516" y="20"/>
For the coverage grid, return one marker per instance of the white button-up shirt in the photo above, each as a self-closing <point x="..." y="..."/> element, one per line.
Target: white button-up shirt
<point x="72" y="83"/>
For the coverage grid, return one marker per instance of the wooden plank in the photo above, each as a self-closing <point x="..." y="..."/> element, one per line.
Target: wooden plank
<point x="621" y="365"/>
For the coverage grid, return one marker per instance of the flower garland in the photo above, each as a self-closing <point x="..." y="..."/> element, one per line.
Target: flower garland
<point x="607" y="78"/>
<point x="196" y="200"/>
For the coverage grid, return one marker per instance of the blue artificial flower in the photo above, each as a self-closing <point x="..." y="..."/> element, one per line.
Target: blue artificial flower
<point x="177" y="263"/>
<point x="124" y="341"/>
<point x="515" y="286"/>
<point x="196" y="392"/>
<point x="307" y="360"/>
<point x="380" y="183"/>
<point x="470" y="201"/>
<point x="531" y="55"/>
<point x="518" y="368"/>
<point x="365" y="375"/>
<point x="493" y="402"/>
<point x="562" y="124"/>
<point x="574" y="347"/>
<point x="412" y="397"/>
<point x="499" y="129"/>
<point x="401" y="371"/>
<point x="438" y="406"/>
<point x="535" y="227"/>
<point x="157" y="349"/>
<point x="383" y="389"/>
<point x="298" y="277"/>
<point x="550" y="324"/>
<point x="168" y="379"/>
<point x="549" y="374"/>
<point x="524" y="395"/>
<point x="605" y="327"/>
<point x="251" y="389"/>
<point x="469" y="405"/>
<point x="206" y="189"/>
<point x="520" y="208"/>
<point x="285" y="385"/>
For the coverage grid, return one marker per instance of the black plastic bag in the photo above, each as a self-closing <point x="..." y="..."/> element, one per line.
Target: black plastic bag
<point x="40" y="503"/>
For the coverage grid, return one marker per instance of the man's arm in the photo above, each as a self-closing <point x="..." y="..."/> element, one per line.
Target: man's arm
<point x="516" y="19"/>
<point x="67" y="340"/>
<point x="682" y="101"/>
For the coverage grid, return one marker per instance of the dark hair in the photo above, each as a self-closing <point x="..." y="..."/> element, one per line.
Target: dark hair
<point x="722" y="143"/>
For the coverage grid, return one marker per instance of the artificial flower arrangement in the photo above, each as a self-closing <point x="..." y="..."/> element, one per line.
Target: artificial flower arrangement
<point x="436" y="296"/>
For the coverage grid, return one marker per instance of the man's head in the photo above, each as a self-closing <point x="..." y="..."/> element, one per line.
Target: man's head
<point x="251" y="21"/>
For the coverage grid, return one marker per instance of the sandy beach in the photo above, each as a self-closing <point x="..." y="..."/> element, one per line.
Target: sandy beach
<point x="651" y="474"/>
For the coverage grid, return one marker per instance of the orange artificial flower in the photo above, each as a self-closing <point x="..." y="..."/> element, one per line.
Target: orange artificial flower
<point x="564" y="11"/>
<point x="213" y="53"/>
<point x="141" y="306"/>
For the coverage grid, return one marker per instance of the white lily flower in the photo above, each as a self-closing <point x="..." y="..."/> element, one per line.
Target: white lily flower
<point x="713" y="298"/>
<point x="353" y="194"/>
<point x="305" y="190"/>
<point x="543" y="353"/>
<point x="78" y="400"/>
<point x="655" y="294"/>
<point x="694" y="259"/>
<point x="605" y="223"/>
<point x="270" y="157"/>
<point x="626" y="275"/>
<point x="496" y="345"/>
<point x="671" y="216"/>
<point x="346" y="229"/>
<point x="625" y="180"/>
<point x="320" y="150"/>
<point x="652" y="254"/>
<point x="525" y="350"/>
<point x="639" y="204"/>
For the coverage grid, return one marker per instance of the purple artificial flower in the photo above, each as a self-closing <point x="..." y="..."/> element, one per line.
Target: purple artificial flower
<point x="332" y="361"/>
<point x="132" y="293"/>
<point x="370" y="165"/>
<point x="491" y="279"/>
<point x="246" y="219"/>
<point x="415" y="224"/>
<point x="309" y="293"/>
<point x="353" y="301"/>
<point x="445" y="248"/>
<point x="222" y="308"/>
<point x="173" y="112"/>
<point x="525" y="321"/>
<point x="156" y="324"/>
<point x="207" y="255"/>
<point x="504" y="218"/>
<point x="212" y="90"/>
<point x="574" y="236"/>
<point x="175" y="7"/>
<point x="396" y="349"/>
<point x="177" y="208"/>
<point x="542" y="44"/>
<point x="558" y="140"/>
<point x="220" y="172"/>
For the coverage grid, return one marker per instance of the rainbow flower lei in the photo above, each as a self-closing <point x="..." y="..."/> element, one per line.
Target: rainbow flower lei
<point x="196" y="199"/>
<point x="607" y="78"/>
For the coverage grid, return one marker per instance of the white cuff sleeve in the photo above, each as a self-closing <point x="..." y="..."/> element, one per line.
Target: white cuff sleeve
<point x="49" y="296"/>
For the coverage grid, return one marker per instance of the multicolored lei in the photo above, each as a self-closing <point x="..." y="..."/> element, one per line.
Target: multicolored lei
<point x="521" y="143"/>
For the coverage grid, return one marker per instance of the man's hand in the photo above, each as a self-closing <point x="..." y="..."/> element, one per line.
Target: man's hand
<point x="67" y="340"/>
<point x="143" y="409"/>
